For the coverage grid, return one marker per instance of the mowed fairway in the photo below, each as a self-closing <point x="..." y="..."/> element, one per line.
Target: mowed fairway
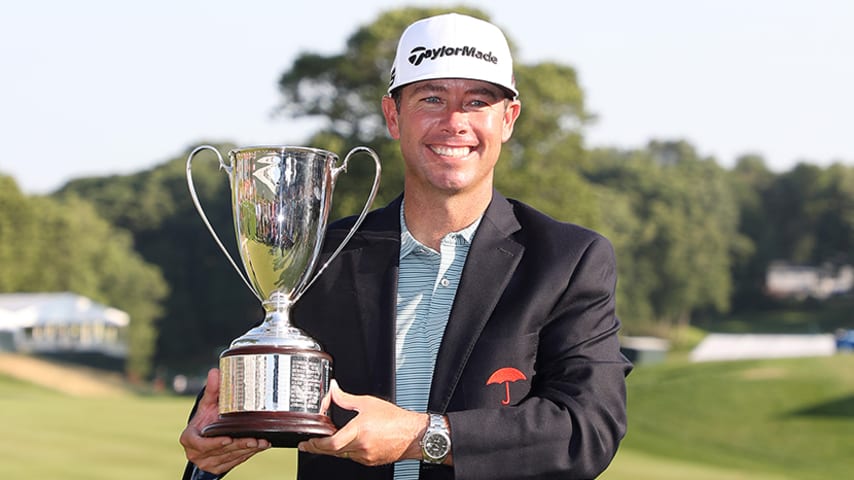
<point x="760" y="420"/>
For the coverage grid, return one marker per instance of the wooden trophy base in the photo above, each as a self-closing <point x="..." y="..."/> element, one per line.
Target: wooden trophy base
<point x="281" y="429"/>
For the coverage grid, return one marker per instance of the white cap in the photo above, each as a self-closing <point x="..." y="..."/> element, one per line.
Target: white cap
<point x="453" y="46"/>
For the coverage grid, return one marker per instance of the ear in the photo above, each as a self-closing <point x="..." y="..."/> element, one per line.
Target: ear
<point x="391" y="117"/>
<point x="511" y="113"/>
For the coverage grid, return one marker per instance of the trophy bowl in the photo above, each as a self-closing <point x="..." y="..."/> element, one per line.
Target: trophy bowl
<point x="274" y="379"/>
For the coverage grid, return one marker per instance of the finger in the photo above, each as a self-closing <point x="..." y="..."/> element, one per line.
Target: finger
<point x="331" y="445"/>
<point x="191" y="438"/>
<point x="227" y="460"/>
<point x="221" y="450"/>
<point x="223" y="445"/>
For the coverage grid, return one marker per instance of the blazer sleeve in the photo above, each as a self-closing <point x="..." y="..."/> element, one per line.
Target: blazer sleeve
<point x="572" y="420"/>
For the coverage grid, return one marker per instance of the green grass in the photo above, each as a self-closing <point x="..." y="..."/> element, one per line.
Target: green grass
<point x="759" y="420"/>
<point x="49" y="435"/>
<point x="633" y="465"/>
<point x="793" y="418"/>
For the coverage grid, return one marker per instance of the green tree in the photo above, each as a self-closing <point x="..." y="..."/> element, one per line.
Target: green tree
<point x="751" y="180"/>
<point x="676" y="254"/>
<point x="20" y="237"/>
<point x="810" y="214"/>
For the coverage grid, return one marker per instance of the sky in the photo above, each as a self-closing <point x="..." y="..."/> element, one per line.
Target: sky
<point x="96" y="87"/>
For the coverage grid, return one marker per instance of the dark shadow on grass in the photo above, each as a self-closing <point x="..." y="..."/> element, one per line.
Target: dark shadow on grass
<point x="841" y="407"/>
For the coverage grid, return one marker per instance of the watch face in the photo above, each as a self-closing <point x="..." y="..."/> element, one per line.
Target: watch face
<point x="437" y="445"/>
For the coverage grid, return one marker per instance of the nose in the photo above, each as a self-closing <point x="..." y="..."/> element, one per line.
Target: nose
<point x="455" y="122"/>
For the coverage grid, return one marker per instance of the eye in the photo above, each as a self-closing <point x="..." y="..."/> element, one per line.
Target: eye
<point x="431" y="99"/>
<point x="479" y="104"/>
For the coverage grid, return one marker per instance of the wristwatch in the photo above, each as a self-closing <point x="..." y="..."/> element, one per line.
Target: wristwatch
<point x="436" y="443"/>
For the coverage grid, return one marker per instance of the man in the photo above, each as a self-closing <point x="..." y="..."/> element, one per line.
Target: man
<point x="473" y="337"/>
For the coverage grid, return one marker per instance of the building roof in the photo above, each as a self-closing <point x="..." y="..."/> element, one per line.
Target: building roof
<point x="20" y="310"/>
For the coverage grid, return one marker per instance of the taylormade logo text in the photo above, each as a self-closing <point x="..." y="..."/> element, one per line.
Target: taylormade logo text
<point x="419" y="54"/>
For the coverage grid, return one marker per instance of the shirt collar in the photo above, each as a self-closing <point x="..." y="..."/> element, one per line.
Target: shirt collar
<point x="408" y="243"/>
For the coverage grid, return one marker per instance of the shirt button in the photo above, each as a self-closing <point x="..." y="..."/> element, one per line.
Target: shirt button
<point x="444" y="282"/>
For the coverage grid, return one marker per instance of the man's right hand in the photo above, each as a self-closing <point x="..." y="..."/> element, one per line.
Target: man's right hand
<point x="215" y="454"/>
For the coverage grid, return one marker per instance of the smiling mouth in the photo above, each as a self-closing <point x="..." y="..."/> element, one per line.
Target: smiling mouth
<point x="455" y="152"/>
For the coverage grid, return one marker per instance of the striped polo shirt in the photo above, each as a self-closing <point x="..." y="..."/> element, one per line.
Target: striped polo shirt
<point x="426" y="289"/>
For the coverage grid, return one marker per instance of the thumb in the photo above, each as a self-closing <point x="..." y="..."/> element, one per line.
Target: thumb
<point x="207" y="409"/>
<point x="211" y="395"/>
<point x="343" y="399"/>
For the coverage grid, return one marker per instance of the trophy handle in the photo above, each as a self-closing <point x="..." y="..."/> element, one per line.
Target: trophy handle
<point x="201" y="211"/>
<point x="374" y="189"/>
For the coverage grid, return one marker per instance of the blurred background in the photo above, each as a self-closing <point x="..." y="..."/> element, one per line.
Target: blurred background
<point x="704" y="139"/>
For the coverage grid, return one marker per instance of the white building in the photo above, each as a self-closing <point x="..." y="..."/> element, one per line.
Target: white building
<point x="784" y="280"/>
<point x="61" y="323"/>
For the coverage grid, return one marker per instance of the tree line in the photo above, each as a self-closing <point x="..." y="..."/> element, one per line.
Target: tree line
<point x="691" y="236"/>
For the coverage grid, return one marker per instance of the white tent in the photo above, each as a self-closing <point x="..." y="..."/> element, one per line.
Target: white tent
<point x="724" y="346"/>
<point x="61" y="323"/>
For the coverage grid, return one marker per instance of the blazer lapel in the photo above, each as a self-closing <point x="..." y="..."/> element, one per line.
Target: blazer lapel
<point x="494" y="255"/>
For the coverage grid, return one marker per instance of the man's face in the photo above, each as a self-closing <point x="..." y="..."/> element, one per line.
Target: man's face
<point x="450" y="133"/>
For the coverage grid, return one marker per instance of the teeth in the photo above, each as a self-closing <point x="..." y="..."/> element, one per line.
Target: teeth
<point x="450" y="151"/>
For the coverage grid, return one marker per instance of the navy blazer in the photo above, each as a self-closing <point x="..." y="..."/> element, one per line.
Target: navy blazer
<point x="529" y="372"/>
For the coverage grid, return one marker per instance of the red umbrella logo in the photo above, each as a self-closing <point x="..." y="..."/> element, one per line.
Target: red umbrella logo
<point x="506" y="375"/>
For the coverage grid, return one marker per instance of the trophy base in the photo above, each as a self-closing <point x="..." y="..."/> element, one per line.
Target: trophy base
<point x="281" y="429"/>
<point x="274" y="393"/>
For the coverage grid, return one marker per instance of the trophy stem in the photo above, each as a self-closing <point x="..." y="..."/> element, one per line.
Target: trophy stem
<point x="277" y="330"/>
<point x="278" y="315"/>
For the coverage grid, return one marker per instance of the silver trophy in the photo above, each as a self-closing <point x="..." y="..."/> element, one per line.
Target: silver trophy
<point x="274" y="377"/>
